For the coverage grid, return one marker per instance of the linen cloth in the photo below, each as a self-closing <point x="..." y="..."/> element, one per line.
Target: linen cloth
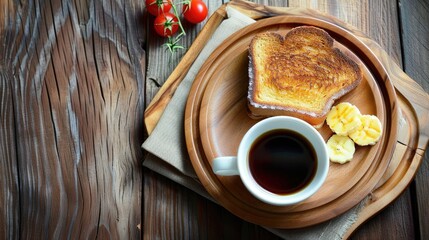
<point x="168" y="155"/>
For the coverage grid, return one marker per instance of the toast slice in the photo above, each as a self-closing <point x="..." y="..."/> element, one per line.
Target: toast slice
<point x="298" y="75"/>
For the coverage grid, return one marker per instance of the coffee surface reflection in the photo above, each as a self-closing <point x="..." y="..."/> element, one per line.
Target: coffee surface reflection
<point x="282" y="161"/>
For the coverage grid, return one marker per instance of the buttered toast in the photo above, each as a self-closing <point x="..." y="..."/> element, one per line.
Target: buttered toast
<point x="300" y="74"/>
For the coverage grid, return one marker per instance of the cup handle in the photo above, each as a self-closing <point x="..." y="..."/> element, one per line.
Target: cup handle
<point x="225" y="166"/>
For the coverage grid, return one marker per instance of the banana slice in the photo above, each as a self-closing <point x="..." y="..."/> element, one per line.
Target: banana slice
<point x="369" y="131"/>
<point x="340" y="148"/>
<point x="343" y="118"/>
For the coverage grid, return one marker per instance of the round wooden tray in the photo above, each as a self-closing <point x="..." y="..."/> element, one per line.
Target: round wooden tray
<point x="216" y="119"/>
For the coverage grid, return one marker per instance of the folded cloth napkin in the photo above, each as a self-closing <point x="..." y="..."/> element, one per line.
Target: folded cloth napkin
<point x="169" y="157"/>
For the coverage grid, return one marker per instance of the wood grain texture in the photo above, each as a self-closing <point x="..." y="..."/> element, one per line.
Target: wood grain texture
<point x="9" y="182"/>
<point x="72" y="103"/>
<point x="415" y="41"/>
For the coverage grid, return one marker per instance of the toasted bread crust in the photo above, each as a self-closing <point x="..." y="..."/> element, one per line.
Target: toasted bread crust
<point x="300" y="75"/>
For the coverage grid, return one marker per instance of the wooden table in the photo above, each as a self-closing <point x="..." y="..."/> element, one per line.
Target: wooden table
<point x="75" y="79"/>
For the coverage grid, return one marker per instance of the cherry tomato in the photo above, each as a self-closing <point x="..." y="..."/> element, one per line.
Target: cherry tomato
<point x="195" y="11"/>
<point x="156" y="7"/>
<point x="166" y="24"/>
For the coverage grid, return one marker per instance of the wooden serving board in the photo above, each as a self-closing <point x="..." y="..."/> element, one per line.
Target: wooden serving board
<point x="216" y="119"/>
<point x="396" y="159"/>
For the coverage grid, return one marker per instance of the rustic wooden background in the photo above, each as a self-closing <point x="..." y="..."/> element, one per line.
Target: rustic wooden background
<point x="72" y="89"/>
<point x="75" y="78"/>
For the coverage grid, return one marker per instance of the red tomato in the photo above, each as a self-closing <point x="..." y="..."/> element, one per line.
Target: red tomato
<point x="166" y="24"/>
<point x="195" y="11"/>
<point x="156" y="7"/>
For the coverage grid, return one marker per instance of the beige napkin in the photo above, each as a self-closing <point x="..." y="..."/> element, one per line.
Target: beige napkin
<point x="169" y="157"/>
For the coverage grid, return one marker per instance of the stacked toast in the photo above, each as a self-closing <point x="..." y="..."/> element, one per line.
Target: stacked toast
<point x="300" y="74"/>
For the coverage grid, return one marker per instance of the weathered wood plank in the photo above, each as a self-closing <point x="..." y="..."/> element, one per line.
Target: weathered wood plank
<point x="72" y="91"/>
<point x="415" y="38"/>
<point x="9" y="182"/>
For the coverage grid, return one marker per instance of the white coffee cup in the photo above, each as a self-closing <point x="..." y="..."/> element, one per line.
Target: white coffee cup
<point x="278" y="130"/>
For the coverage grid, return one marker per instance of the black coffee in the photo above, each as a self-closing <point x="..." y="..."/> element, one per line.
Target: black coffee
<point x="282" y="161"/>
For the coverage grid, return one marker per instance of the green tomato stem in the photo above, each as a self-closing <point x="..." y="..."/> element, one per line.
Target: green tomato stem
<point x="173" y="6"/>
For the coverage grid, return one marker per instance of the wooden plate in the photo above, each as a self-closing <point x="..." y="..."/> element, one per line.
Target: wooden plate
<point x="216" y="119"/>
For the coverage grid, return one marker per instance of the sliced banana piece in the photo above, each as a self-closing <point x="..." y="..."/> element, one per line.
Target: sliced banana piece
<point x="368" y="132"/>
<point x="343" y="118"/>
<point x="340" y="148"/>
